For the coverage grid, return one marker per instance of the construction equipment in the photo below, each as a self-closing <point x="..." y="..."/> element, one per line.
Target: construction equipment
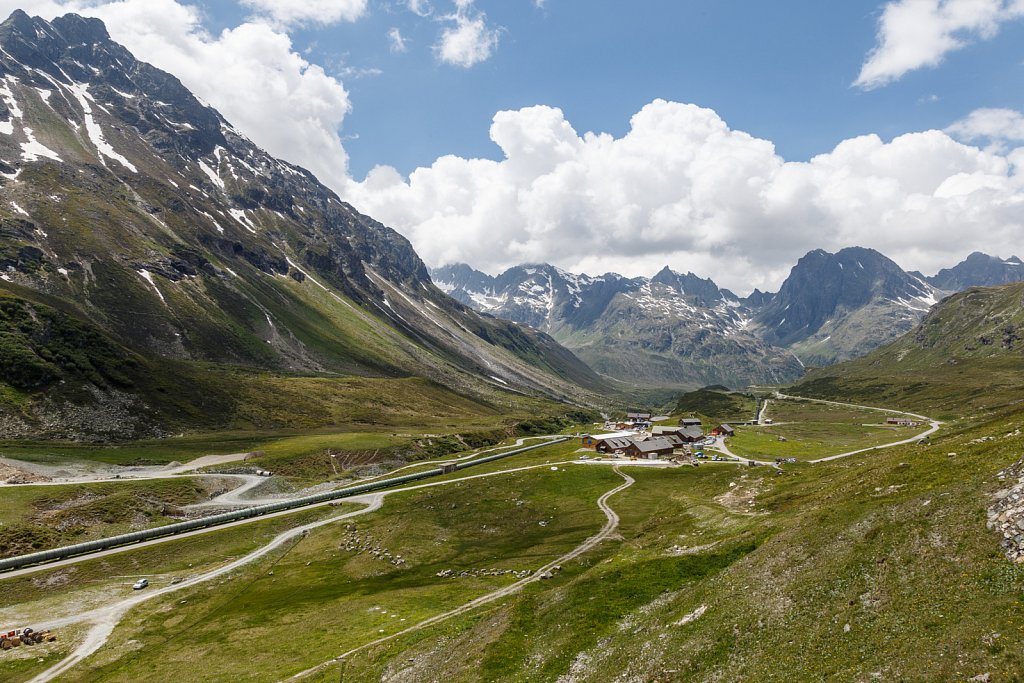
<point x="25" y="636"/>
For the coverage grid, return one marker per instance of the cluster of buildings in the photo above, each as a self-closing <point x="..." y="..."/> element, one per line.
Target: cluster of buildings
<point x="900" y="421"/>
<point x="637" y="437"/>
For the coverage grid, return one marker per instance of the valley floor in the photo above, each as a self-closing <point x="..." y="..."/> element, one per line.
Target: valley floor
<point x="874" y="566"/>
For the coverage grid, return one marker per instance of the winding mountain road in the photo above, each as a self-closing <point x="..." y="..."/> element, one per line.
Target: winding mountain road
<point x="105" y="618"/>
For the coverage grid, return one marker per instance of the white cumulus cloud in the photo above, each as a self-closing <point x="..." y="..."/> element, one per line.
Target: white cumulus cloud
<point x="250" y="73"/>
<point x="913" y="34"/>
<point x="683" y="189"/>
<point x="469" y="39"/>
<point x="324" y="12"/>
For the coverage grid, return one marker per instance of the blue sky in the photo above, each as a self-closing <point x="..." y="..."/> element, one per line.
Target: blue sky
<point x="725" y="138"/>
<point x="782" y="71"/>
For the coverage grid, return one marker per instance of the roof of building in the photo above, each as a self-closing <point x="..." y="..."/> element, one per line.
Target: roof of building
<point x="725" y="426"/>
<point x="619" y="443"/>
<point x="611" y="435"/>
<point x="689" y="421"/>
<point x="645" y="416"/>
<point x="655" y="444"/>
<point x="692" y="432"/>
<point x="665" y="430"/>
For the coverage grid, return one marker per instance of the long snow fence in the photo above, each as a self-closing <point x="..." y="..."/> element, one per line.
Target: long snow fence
<point x="246" y="513"/>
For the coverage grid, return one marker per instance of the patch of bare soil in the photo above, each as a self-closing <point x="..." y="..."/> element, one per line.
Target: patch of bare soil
<point x="741" y="496"/>
<point x="16" y="475"/>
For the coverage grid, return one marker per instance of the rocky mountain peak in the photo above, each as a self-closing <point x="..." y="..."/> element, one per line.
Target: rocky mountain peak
<point x="855" y="286"/>
<point x="702" y="290"/>
<point x="979" y="270"/>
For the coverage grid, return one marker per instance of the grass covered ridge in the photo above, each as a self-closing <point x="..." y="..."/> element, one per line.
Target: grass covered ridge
<point x="966" y="356"/>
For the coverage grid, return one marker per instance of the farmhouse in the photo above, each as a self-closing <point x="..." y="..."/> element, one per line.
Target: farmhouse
<point x="900" y="421"/>
<point x="607" y="443"/>
<point x="691" y="434"/>
<point x="638" y="417"/>
<point x="689" y="422"/>
<point x="650" y="449"/>
<point x="674" y="439"/>
<point x="723" y="430"/>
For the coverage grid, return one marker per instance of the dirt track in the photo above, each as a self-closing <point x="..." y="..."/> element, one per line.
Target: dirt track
<point x="607" y="530"/>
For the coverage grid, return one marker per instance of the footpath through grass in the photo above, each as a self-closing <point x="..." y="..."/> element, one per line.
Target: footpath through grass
<point x="51" y="593"/>
<point x="878" y="566"/>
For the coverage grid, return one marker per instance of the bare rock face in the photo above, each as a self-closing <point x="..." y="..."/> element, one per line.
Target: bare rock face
<point x="1006" y="515"/>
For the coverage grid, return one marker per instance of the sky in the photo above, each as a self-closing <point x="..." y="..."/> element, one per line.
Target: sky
<point x="726" y="138"/>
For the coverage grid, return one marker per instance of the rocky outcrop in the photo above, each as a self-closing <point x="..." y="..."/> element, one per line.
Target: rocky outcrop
<point x="1006" y="515"/>
<point x="835" y="307"/>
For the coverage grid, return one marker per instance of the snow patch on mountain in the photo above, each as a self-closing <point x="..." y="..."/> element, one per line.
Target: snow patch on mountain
<point x="211" y="174"/>
<point x="32" y="150"/>
<point x="81" y="93"/>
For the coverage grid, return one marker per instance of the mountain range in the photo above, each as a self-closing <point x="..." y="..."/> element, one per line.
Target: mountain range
<point x="682" y="329"/>
<point x="139" y="217"/>
<point x="154" y="260"/>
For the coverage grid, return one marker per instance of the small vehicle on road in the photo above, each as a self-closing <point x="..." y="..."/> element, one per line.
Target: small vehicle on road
<point x="140" y="584"/>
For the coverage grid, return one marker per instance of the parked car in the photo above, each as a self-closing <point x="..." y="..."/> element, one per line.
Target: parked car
<point x="140" y="584"/>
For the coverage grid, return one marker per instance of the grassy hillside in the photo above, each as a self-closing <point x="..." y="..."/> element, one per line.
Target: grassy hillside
<point x="718" y="404"/>
<point x="967" y="355"/>
<point x="878" y="568"/>
<point x="134" y="303"/>
<point x="62" y="376"/>
<point x="874" y="567"/>
<point x="39" y="517"/>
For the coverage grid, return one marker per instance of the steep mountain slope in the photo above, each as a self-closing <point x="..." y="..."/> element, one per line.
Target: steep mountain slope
<point x="833" y="307"/>
<point x="968" y="351"/>
<point x="979" y="270"/>
<point x="672" y="329"/>
<point x="140" y="212"/>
